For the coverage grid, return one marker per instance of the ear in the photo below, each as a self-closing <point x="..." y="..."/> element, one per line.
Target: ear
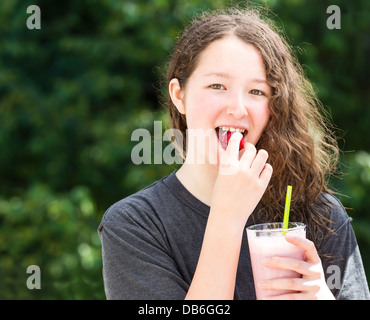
<point x="177" y="95"/>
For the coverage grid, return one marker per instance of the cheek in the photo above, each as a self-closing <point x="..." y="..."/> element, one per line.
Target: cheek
<point x="260" y="116"/>
<point x="201" y="109"/>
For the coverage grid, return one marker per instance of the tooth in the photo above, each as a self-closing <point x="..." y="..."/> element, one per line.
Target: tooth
<point x="232" y="129"/>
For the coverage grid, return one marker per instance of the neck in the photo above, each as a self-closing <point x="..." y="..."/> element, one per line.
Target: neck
<point x="198" y="180"/>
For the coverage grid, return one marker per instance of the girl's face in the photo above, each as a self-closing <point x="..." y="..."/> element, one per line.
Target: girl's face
<point x="228" y="90"/>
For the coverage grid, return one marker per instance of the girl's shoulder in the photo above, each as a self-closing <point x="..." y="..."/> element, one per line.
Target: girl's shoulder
<point x="333" y="210"/>
<point x="137" y="205"/>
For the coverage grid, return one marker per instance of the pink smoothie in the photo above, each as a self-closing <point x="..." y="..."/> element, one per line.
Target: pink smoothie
<point x="273" y="244"/>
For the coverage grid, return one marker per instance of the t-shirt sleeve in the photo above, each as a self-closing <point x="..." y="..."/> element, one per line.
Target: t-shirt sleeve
<point x="343" y="265"/>
<point x="136" y="262"/>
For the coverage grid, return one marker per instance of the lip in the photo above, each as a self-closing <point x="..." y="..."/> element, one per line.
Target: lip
<point x="232" y="126"/>
<point x="222" y="141"/>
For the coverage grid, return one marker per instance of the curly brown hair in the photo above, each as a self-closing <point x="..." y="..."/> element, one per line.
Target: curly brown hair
<point x="302" y="148"/>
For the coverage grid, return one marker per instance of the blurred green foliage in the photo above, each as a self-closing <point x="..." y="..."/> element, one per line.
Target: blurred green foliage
<point x="72" y="93"/>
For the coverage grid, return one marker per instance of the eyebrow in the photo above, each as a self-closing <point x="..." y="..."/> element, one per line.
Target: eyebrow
<point x="228" y="76"/>
<point x="260" y="81"/>
<point x="218" y="74"/>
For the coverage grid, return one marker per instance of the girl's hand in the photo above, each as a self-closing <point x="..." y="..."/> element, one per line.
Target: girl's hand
<point x="311" y="286"/>
<point x="240" y="183"/>
<point x="239" y="186"/>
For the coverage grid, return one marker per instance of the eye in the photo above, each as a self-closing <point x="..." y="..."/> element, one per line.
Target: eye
<point x="257" y="92"/>
<point x="217" y="86"/>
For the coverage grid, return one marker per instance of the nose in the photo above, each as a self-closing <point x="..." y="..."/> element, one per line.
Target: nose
<point x="237" y="106"/>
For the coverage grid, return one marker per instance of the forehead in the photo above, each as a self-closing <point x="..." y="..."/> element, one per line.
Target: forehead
<point x="231" y="56"/>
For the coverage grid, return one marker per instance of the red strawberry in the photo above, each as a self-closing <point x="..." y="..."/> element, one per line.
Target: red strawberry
<point x="225" y="138"/>
<point x="241" y="145"/>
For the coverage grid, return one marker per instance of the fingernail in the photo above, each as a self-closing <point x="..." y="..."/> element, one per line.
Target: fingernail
<point x="290" y="236"/>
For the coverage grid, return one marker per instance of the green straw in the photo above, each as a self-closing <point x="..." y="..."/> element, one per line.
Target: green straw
<point x="287" y="208"/>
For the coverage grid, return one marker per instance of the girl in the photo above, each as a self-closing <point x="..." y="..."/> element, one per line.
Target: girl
<point x="234" y="83"/>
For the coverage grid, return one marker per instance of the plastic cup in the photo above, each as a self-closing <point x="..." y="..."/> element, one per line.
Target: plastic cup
<point x="268" y="240"/>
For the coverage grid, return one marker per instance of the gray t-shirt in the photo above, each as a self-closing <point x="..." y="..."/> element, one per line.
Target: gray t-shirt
<point x="151" y="243"/>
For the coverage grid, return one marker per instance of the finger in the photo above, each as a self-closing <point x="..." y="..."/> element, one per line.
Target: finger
<point x="306" y="245"/>
<point x="248" y="155"/>
<point x="295" y="284"/>
<point x="259" y="161"/>
<point x="300" y="287"/>
<point x="266" y="174"/>
<point x="285" y="263"/>
<point x="289" y="296"/>
<point x="232" y="150"/>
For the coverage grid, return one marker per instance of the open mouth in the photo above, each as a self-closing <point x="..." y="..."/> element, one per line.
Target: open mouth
<point x="224" y="134"/>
